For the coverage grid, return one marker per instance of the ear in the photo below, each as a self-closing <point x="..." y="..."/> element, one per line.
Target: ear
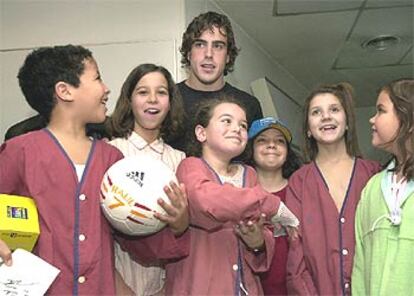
<point x="200" y="133"/>
<point x="189" y="56"/>
<point x="227" y="59"/>
<point x="63" y="91"/>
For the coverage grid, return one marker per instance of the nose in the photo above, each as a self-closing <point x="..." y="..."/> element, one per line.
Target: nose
<point x="271" y="144"/>
<point x="372" y="119"/>
<point x="106" y="89"/>
<point x="325" y="115"/>
<point x="209" y="51"/>
<point x="236" y="127"/>
<point x="152" y="98"/>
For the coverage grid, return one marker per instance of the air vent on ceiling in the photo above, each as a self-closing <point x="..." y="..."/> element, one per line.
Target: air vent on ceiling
<point x="382" y="42"/>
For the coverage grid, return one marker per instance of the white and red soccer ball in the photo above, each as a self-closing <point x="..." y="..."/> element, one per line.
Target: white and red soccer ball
<point x="129" y="193"/>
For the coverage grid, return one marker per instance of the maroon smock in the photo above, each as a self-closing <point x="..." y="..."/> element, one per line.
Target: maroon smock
<point x="320" y="261"/>
<point x="74" y="235"/>
<point x="274" y="280"/>
<point x="212" y="266"/>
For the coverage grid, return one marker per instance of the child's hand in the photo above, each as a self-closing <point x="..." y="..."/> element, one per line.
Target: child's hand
<point x="284" y="217"/>
<point x="177" y="212"/>
<point x="252" y="233"/>
<point x="293" y="232"/>
<point x="5" y="253"/>
<point x="280" y="230"/>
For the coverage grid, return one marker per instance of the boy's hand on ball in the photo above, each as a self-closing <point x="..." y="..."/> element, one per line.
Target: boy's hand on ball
<point x="177" y="216"/>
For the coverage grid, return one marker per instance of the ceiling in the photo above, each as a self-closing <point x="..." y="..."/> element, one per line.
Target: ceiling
<point x="321" y="41"/>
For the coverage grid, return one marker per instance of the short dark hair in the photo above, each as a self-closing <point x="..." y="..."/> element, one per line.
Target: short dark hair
<point x="203" y="115"/>
<point x="46" y="66"/>
<point x="401" y="93"/>
<point x="344" y="92"/>
<point x="203" y="22"/>
<point x="122" y="120"/>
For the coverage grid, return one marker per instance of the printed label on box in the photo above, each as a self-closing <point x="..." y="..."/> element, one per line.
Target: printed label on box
<point x="17" y="212"/>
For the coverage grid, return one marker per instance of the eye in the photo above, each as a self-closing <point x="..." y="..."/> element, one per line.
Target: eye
<point x="226" y="120"/>
<point x="163" y="92"/>
<point x="315" y="112"/>
<point x="219" y="45"/>
<point x="281" y="141"/>
<point x="243" y="125"/>
<point x="335" y="109"/>
<point x="142" y="92"/>
<point x="198" y="44"/>
<point x="380" y="110"/>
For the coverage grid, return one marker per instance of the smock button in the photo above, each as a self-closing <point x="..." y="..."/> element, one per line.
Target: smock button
<point x="82" y="237"/>
<point x="82" y="197"/>
<point x="346" y="285"/>
<point x="342" y="220"/>
<point x="344" y="252"/>
<point x="235" y="267"/>
<point x="81" y="279"/>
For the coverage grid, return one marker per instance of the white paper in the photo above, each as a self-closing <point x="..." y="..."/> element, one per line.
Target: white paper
<point x="28" y="276"/>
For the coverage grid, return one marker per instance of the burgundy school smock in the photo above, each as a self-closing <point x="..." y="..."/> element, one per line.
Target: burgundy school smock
<point x="74" y="235"/>
<point x="320" y="261"/>
<point x="274" y="280"/>
<point x="212" y="267"/>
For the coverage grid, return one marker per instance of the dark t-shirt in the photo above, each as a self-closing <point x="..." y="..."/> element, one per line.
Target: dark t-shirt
<point x="36" y="122"/>
<point x="27" y="125"/>
<point x="192" y="97"/>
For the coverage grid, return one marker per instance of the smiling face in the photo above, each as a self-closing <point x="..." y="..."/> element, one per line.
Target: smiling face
<point x="385" y="124"/>
<point x="225" y="136"/>
<point x="91" y="95"/>
<point x="270" y="150"/>
<point x="326" y="119"/>
<point x="208" y="58"/>
<point x="150" y="103"/>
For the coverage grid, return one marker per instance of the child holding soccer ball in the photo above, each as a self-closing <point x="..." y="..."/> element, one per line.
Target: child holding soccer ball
<point x="149" y="110"/>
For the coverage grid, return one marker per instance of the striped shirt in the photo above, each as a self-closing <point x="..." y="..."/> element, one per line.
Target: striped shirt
<point x="143" y="280"/>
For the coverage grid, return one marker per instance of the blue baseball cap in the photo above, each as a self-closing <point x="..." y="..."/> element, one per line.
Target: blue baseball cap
<point x="260" y="125"/>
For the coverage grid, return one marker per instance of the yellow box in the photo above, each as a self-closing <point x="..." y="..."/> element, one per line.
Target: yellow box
<point x="19" y="221"/>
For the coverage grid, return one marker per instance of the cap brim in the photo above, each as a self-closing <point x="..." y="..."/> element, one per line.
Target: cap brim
<point x="283" y="130"/>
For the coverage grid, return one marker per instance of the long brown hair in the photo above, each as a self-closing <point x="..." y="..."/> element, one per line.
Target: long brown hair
<point x="121" y="122"/>
<point x="344" y="92"/>
<point x="401" y="93"/>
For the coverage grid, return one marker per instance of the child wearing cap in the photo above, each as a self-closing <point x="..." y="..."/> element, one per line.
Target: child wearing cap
<point x="271" y="154"/>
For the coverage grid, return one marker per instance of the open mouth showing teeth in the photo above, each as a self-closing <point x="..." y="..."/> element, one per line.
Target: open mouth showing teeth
<point x="328" y="128"/>
<point x="152" y="111"/>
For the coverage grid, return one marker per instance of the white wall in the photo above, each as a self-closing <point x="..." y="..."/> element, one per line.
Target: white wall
<point x="121" y="34"/>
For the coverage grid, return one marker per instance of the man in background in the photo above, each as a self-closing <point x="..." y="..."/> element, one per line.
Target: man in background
<point x="208" y="52"/>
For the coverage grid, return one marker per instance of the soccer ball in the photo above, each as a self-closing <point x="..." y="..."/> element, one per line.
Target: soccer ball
<point x="129" y="192"/>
